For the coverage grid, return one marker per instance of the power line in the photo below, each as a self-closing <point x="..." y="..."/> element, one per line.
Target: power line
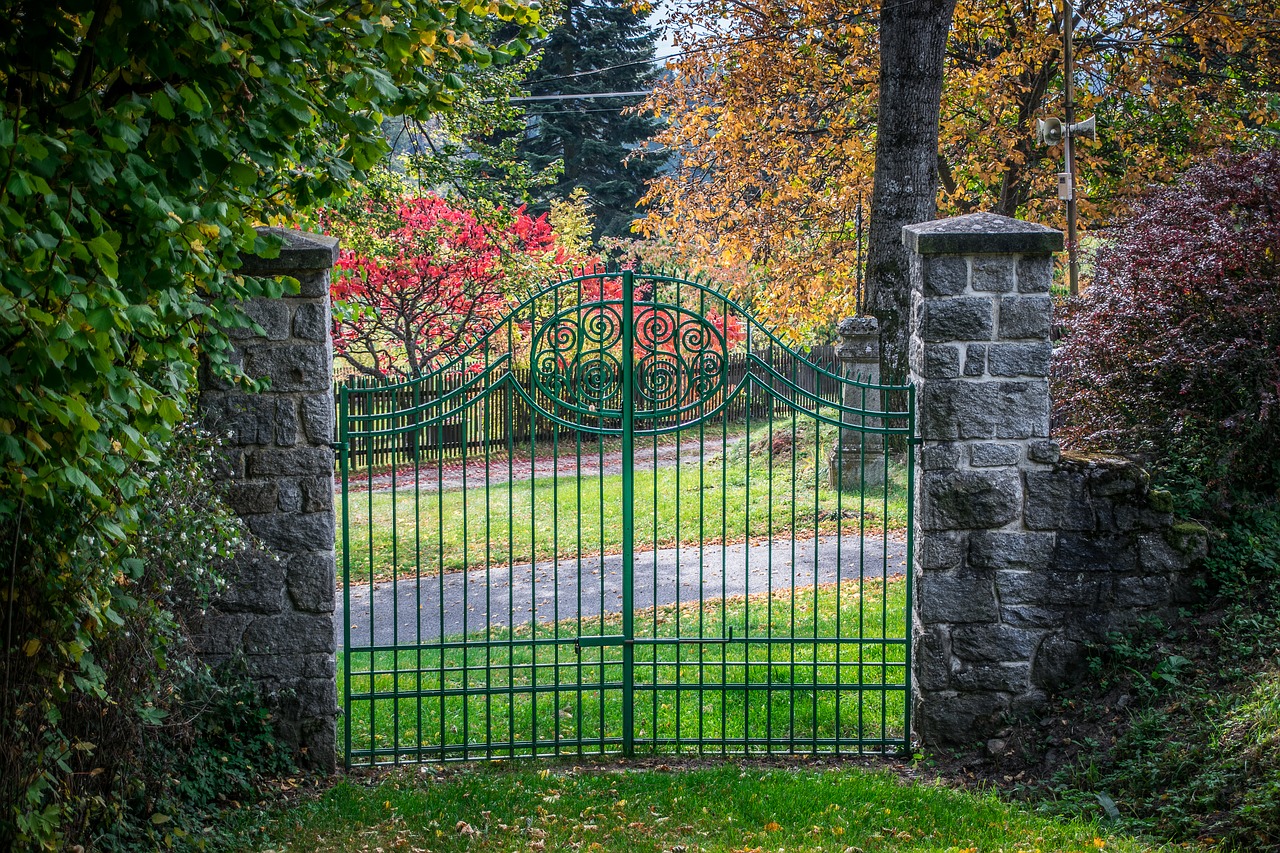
<point x="580" y="97"/>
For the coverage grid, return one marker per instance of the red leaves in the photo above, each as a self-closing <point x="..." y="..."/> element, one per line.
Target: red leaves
<point x="429" y="280"/>
<point x="1174" y="346"/>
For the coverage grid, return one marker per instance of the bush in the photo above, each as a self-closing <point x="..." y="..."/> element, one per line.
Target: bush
<point x="1174" y="348"/>
<point x="109" y="725"/>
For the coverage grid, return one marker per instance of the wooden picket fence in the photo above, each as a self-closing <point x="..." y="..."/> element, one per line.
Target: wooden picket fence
<point x="477" y="420"/>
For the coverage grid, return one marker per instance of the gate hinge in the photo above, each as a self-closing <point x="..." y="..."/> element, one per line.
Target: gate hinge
<point x="338" y="446"/>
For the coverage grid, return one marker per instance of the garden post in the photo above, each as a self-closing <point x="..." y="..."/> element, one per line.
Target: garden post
<point x="857" y="458"/>
<point x="979" y="358"/>
<point x="277" y="611"/>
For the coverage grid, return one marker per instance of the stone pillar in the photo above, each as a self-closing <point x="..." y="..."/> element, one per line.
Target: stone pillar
<point x="857" y="458"/>
<point x="980" y="352"/>
<point x="278" y="608"/>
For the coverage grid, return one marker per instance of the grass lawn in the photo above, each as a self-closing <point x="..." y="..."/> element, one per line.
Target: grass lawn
<point x="770" y="483"/>
<point x="529" y="690"/>
<point x="529" y="806"/>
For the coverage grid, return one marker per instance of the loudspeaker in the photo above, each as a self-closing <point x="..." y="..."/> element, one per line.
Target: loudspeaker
<point x="1050" y="131"/>
<point x="1088" y="127"/>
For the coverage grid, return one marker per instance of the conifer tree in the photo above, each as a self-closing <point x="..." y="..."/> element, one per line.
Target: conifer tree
<point x="592" y="136"/>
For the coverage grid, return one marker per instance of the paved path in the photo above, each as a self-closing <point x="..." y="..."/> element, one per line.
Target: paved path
<point x="406" y="613"/>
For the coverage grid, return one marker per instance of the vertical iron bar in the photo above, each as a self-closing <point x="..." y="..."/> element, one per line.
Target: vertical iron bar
<point x="628" y="511"/>
<point x="343" y="467"/>
<point x="911" y="480"/>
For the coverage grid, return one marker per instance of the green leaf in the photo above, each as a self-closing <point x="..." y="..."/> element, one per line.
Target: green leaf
<point x="162" y="105"/>
<point x="105" y="254"/>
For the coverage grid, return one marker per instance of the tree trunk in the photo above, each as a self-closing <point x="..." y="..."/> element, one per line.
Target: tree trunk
<point x="913" y="41"/>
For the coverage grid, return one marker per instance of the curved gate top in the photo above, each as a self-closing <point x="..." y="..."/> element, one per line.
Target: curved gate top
<point x="626" y="518"/>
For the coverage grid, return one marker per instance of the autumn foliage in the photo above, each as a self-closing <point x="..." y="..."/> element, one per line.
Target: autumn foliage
<point x="427" y="279"/>
<point x="1175" y="348"/>
<point x="773" y="112"/>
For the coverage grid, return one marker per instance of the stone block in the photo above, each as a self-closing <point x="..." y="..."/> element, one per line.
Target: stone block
<point x="1031" y="616"/>
<point x="940" y="457"/>
<point x="955" y="719"/>
<point x="1035" y="274"/>
<point x="253" y="497"/>
<point x="292" y="462"/>
<point x="1095" y="553"/>
<point x="1023" y="317"/>
<point x="290" y="634"/>
<point x="967" y="500"/>
<point x="941" y="550"/>
<point x="1157" y="556"/>
<point x="1044" y="450"/>
<point x="314" y="285"/>
<point x="957" y="410"/>
<point x="291" y="367"/>
<point x="1011" y="550"/>
<point x="295" y="531"/>
<point x="956" y="597"/>
<point x="311" y="579"/>
<point x="286" y="425"/>
<point x="1150" y="592"/>
<point x="1030" y="359"/>
<point x="317" y="418"/>
<point x="272" y="315"/>
<point x="218" y="634"/>
<point x="228" y="463"/>
<point x="317" y="494"/>
<point x="994" y="643"/>
<point x="993" y="274"/>
<point x="932" y="656"/>
<point x="941" y="361"/>
<point x="290" y="498"/>
<point x="1059" y="662"/>
<point x="945" y="275"/>
<point x="975" y="360"/>
<point x="244" y="419"/>
<point x="1114" y="477"/>
<point x="1058" y="500"/>
<point x="1054" y="589"/>
<point x="311" y="321"/>
<point x="994" y="455"/>
<point x="291" y="667"/>
<point x="1003" y="677"/>
<point x="963" y="318"/>
<point x="255" y="584"/>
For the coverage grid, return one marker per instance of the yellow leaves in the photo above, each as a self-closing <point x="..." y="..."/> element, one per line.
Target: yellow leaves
<point x="31" y="647"/>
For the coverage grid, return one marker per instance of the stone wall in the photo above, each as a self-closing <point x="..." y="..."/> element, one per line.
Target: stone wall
<point x="277" y="611"/>
<point x="1022" y="557"/>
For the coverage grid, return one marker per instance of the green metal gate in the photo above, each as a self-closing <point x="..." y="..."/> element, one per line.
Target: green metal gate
<point x="640" y="545"/>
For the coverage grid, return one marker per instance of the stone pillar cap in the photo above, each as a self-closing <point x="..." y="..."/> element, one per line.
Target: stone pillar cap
<point x="300" y="252"/>
<point x="981" y="234"/>
<point x="851" y="326"/>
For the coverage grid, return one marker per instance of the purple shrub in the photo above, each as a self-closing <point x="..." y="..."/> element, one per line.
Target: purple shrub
<point x="1174" y="348"/>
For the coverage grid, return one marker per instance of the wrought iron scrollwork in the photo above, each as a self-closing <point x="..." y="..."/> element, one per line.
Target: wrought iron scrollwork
<point x="679" y="359"/>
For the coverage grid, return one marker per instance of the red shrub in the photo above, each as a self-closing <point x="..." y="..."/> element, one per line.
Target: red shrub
<point x="1174" y="349"/>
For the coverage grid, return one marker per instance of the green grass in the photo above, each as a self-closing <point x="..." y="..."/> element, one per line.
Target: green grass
<point x="776" y="488"/>
<point x="723" y="807"/>
<point x="529" y="691"/>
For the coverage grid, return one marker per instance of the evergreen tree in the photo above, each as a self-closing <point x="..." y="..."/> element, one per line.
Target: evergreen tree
<point x="592" y="136"/>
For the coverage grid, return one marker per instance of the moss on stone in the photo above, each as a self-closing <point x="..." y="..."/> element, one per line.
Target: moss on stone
<point x="1161" y="501"/>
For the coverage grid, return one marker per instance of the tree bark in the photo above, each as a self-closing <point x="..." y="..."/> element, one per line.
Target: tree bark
<point x="913" y="42"/>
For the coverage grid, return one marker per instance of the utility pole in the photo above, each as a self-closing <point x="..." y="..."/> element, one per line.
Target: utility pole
<point x="1050" y="131"/>
<point x="1069" y="79"/>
